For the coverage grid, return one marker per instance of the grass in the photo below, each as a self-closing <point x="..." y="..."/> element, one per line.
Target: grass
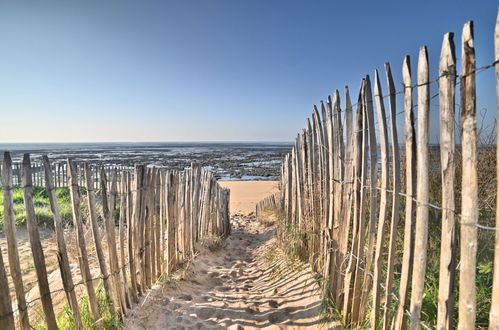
<point x="108" y="320"/>
<point x="266" y="218"/>
<point x="41" y="202"/>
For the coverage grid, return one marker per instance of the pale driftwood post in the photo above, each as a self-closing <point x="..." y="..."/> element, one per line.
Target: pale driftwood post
<point x="6" y="314"/>
<point x="147" y="226"/>
<point x="97" y="237"/>
<point x="469" y="188"/>
<point x="447" y="85"/>
<point x="378" y="261"/>
<point x="373" y="204"/>
<point x="494" y="307"/>
<point x="10" y="233"/>
<point x="159" y="229"/>
<point x="330" y="270"/>
<point x="359" y="246"/>
<point x="395" y="197"/>
<point x="171" y="221"/>
<point x="338" y="170"/>
<point x="132" y="240"/>
<point x="62" y="256"/>
<point x="346" y="199"/>
<point x="36" y="246"/>
<point x="302" y="179"/>
<point x="122" y="220"/>
<point x="140" y="187"/>
<point x="111" y="238"/>
<point x="422" y="194"/>
<point x="155" y="225"/>
<point x="358" y="252"/>
<point x="410" y="174"/>
<point x="80" y="237"/>
<point x="162" y="222"/>
<point x="357" y="187"/>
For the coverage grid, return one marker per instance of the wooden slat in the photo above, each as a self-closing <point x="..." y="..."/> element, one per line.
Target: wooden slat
<point x="36" y="246"/>
<point x="410" y="175"/>
<point x="373" y="201"/>
<point x="121" y="230"/>
<point x="346" y="200"/>
<point x="378" y="259"/>
<point x="395" y="197"/>
<point x="469" y="183"/>
<point x="97" y="237"/>
<point x="447" y="86"/>
<point x="357" y="173"/>
<point x="171" y="221"/>
<point x="10" y="233"/>
<point x="80" y="238"/>
<point x="422" y="192"/>
<point x="62" y="255"/>
<point x="6" y="314"/>
<point x="494" y="307"/>
<point x="330" y="245"/>
<point x="117" y="275"/>
<point x="359" y="249"/>
<point x="132" y="238"/>
<point x="158" y="201"/>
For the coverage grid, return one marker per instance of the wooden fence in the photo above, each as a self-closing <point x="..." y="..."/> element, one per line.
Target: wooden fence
<point x="60" y="173"/>
<point x="150" y="219"/>
<point x="363" y="210"/>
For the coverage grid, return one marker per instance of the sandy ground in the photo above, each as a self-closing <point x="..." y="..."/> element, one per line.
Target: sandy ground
<point x="241" y="286"/>
<point x="236" y="288"/>
<point x="245" y="194"/>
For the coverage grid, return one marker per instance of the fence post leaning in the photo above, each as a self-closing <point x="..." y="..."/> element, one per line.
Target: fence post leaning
<point x="410" y="174"/>
<point x="10" y="233"/>
<point x="447" y="85"/>
<point x="357" y="173"/>
<point x="422" y="193"/>
<point x="97" y="236"/>
<point x="6" y="314"/>
<point x="80" y="237"/>
<point x="373" y="202"/>
<point x="469" y="184"/>
<point x="395" y="197"/>
<point x="36" y="246"/>
<point x="62" y="255"/>
<point x="494" y="307"/>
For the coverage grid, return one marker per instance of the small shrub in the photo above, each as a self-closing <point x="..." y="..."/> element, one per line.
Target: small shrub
<point x="65" y="319"/>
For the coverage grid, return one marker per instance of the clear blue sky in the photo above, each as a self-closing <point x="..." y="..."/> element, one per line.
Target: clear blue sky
<point x="207" y="70"/>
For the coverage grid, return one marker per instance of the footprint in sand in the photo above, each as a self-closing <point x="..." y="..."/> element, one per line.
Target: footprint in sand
<point x="222" y="288"/>
<point x="276" y="317"/>
<point x="273" y="303"/>
<point x="186" y="297"/>
<point x="205" y="313"/>
<point x="235" y="290"/>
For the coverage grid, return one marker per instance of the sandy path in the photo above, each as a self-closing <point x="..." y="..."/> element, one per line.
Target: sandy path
<point x="235" y="288"/>
<point x="245" y="194"/>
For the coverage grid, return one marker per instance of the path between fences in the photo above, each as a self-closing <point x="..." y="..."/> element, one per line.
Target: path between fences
<point x="236" y="287"/>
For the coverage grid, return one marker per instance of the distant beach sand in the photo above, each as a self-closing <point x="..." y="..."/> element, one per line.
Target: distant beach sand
<point x="245" y="194"/>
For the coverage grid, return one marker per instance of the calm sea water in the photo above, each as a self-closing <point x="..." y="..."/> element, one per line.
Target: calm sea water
<point x="229" y="160"/>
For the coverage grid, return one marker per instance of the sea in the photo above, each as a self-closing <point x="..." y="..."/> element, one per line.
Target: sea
<point x="227" y="160"/>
